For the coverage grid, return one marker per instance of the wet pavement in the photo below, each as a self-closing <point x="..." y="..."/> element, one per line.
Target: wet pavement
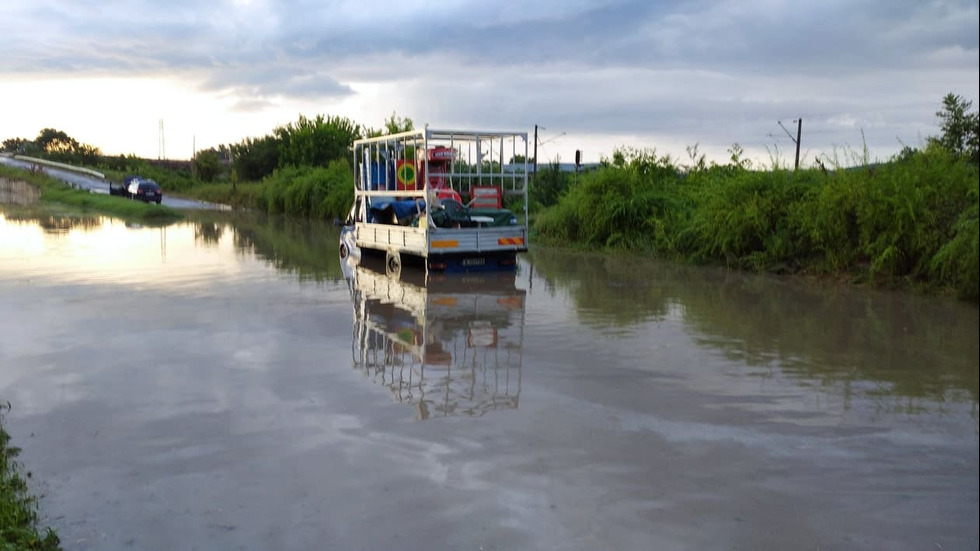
<point x="227" y="383"/>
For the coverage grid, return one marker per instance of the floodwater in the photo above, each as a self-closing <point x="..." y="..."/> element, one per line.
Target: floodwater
<point x="228" y="384"/>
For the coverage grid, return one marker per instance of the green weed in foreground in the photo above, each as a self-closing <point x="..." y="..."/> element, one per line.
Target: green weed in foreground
<point x="18" y="509"/>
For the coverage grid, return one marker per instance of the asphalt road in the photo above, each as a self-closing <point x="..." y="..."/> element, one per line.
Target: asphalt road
<point x="98" y="185"/>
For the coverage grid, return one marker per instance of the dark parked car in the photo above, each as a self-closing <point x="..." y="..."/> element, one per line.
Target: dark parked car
<point x="146" y="191"/>
<point x="136" y="187"/>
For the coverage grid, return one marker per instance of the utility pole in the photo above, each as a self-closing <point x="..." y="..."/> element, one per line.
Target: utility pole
<point x="161" y="147"/>
<point x="535" y="153"/>
<point x="796" y="140"/>
<point x="799" y="132"/>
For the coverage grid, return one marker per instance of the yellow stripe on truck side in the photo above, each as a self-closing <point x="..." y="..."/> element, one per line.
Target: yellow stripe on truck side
<point x="445" y="243"/>
<point x="510" y="241"/>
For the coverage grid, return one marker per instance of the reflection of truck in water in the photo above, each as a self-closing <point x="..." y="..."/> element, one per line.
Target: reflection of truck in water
<point x="448" y="344"/>
<point x="439" y="197"/>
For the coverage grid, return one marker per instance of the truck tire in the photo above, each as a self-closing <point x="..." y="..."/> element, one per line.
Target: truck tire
<point x="393" y="263"/>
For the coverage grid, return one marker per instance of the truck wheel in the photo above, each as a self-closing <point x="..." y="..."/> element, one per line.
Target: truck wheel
<point x="344" y="251"/>
<point x="393" y="263"/>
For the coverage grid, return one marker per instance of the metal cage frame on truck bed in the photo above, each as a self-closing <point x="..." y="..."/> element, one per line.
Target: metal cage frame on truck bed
<point x="441" y="196"/>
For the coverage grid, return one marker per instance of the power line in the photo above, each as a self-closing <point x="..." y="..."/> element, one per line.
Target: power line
<point x="541" y="142"/>
<point x="796" y="140"/>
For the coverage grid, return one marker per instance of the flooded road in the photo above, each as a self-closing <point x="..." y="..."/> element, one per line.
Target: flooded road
<point x="101" y="186"/>
<point x="228" y="384"/>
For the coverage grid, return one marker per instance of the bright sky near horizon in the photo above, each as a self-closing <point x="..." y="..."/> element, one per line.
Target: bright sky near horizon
<point x="594" y="74"/>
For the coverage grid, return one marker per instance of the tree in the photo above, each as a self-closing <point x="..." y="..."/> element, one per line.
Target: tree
<point x="316" y="142"/>
<point x="60" y="146"/>
<point x="549" y="186"/>
<point x="21" y="146"/>
<point x="393" y="125"/>
<point x="255" y="158"/>
<point x="207" y="165"/>
<point x="55" y="141"/>
<point x="960" y="128"/>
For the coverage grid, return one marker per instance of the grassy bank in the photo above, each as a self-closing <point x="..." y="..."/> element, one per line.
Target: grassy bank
<point x="59" y="198"/>
<point x="242" y="195"/>
<point x="321" y="193"/>
<point x="911" y="222"/>
<point x="18" y="508"/>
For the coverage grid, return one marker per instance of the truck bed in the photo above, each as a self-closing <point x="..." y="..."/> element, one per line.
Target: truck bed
<point x="425" y="242"/>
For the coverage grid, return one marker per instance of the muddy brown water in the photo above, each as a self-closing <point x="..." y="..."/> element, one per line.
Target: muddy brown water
<point x="228" y="383"/>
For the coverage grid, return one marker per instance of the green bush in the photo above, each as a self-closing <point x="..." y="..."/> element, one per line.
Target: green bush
<point x="320" y="192"/>
<point x="628" y="205"/>
<point x="957" y="263"/>
<point x="749" y="219"/>
<point x="909" y="221"/>
<point x="894" y="217"/>
<point x="548" y="185"/>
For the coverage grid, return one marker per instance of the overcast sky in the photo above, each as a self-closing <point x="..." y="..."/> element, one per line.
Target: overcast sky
<point x="594" y="74"/>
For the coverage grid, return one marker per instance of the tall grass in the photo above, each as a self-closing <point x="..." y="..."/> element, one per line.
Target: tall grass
<point x="628" y="206"/>
<point x="895" y="217"/>
<point x="319" y="192"/>
<point x="18" y="508"/>
<point x="748" y="219"/>
<point x="911" y="221"/>
<point x="242" y="195"/>
<point x="956" y="262"/>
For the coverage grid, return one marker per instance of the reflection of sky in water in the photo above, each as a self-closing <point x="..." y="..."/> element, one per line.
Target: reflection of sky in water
<point x="91" y="303"/>
<point x="111" y="252"/>
<point x="182" y="390"/>
<point x="728" y="335"/>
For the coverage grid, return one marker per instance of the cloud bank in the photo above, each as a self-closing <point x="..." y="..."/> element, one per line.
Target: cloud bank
<point x="712" y="72"/>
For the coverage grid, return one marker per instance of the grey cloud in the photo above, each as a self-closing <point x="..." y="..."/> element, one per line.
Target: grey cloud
<point x="721" y="70"/>
<point x="272" y="80"/>
<point x="772" y="38"/>
<point x="250" y="105"/>
<point x="691" y="106"/>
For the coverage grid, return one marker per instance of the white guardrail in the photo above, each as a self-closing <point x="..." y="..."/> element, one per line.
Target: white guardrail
<point x="64" y="166"/>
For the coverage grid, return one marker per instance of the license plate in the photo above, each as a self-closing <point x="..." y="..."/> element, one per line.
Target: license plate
<point x="474" y="261"/>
